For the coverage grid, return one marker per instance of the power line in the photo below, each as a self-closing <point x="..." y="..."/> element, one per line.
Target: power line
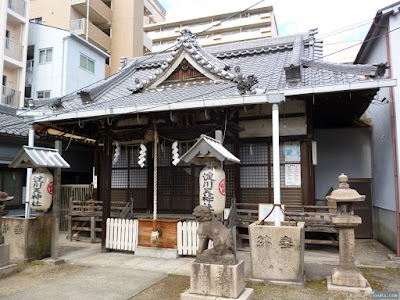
<point x="136" y="63"/>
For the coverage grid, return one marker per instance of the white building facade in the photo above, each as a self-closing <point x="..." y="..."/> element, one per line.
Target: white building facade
<point x="60" y="62"/>
<point x="14" y="23"/>
<point x="382" y="44"/>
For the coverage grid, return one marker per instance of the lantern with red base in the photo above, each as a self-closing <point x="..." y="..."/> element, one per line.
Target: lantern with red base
<point x="41" y="190"/>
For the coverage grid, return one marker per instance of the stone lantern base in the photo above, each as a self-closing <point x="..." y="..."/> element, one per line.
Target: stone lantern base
<point x="5" y="268"/>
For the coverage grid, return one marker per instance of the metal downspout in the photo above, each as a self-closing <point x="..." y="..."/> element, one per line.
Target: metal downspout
<point x="392" y="119"/>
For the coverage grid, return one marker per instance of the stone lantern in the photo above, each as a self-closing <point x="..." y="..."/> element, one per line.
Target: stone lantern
<point x="347" y="276"/>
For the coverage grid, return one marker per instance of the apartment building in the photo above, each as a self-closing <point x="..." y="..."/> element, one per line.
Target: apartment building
<point x="114" y="26"/>
<point x="255" y="23"/>
<point x="14" y="23"/>
<point x="60" y="62"/>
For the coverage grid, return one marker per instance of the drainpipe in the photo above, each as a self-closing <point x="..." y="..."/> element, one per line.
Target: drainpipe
<point x="392" y="119"/>
<point x="87" y="19"/>
<point x="31" y="143"/>
<point x="276" y="167"/>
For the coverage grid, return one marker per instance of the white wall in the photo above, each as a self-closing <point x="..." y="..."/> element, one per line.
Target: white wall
<point x="63" y="75"/>
<point x="344" y="150"/>
<point x="383" y="185"/>
<point x="75" y="76"/>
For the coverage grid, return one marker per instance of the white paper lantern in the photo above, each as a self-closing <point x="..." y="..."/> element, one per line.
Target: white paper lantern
<point x="212" y="187"/>
<point x="41" y="190"/>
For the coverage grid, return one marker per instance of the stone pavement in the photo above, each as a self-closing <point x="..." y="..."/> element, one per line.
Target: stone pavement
<point x="121" y="275"/>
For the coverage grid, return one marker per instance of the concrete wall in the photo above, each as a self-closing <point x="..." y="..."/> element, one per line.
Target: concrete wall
<point x="384" y="222"/>
<point x="344" y="150"/>
<point x="53" y="13"/>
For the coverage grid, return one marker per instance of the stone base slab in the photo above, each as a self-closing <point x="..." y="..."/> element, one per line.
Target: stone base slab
<point x="157" y="252"/>
<point x="248" y="294"/>
<point x="52" y="262"/>
<point x="340" y="288"/>
<point x="8" y="270"/>
<point x="295" y="284"/>
<point x="352" y="278"/>
<point x="4" y="255"/>
<point x="394" y="257"/>
<point x="217" y="280"/>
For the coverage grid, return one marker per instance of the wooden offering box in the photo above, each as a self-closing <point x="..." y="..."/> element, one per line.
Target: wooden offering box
<point x="168" y="237"/>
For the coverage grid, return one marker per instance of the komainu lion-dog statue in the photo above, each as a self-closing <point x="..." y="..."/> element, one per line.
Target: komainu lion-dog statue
<point x="211" y="229"/>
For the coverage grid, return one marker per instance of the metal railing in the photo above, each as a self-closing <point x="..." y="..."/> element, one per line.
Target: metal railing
<point x="13" y="49"/>
<point x="9" y="96"/>
<point x="29" y="65"/>
<point x="77" y="25"/>
<point x="19" y="6"/>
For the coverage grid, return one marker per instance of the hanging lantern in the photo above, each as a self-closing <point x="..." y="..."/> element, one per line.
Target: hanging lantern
<point x="212" y="186"/>
<point x="41" y="190"/>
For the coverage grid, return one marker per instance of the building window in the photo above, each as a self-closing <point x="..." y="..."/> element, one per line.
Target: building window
<point x="36" y="20"/>
<point x="45" y="55"/>
<point x="43" y="94"/>
<point x="87" y="64"/>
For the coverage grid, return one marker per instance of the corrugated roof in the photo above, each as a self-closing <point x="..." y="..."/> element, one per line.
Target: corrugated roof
<point x="207" y="147"/>
<point x="34" y="157"/>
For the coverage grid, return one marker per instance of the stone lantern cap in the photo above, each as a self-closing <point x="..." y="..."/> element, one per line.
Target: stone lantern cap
<point x="344" y="193"/>
<point x="5" y="197"/>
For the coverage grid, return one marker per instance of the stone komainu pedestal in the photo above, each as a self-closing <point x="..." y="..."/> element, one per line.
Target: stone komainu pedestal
<point x="5" y="268"/>
<point x="216" y="281"/>
<point x="277" y="253"/>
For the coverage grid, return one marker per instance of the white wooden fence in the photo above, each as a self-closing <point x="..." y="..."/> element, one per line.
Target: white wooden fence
<point x="122" y="234"/>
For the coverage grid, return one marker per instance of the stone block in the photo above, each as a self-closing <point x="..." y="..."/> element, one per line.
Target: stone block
<point x="352" y="278"/>
<point x="29" y="239"/>
<point x="4" y="255"/>
<point x="157" y="252"/>
<point x="277" y="253"/>
<point x="217" y="280"/>
<point x="8" y="270"/>
<point x="351" y="289"/>
<point x="248" y="294"/>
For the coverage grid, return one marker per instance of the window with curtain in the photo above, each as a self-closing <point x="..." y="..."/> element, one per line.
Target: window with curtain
<point x="45" y="55"/>
<point x="86" y="63"/>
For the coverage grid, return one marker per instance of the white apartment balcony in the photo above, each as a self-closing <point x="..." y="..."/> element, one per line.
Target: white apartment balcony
<point x="16" y="11"/>
<point x="9" y="96"/>
<point x="99" y="13"/>
<point x="166" y="34"/>
<point x="153" y="7"/>
<point x="13" y="54"/>
<point x="95" y="35"/>
<point x="147" y="42"/>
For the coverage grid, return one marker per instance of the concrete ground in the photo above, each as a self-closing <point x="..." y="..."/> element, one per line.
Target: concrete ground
<point x="90" y="274"/>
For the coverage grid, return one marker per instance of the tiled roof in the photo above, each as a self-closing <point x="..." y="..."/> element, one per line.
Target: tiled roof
<point x="11" y="124"/>
<point x="265" y="58"/>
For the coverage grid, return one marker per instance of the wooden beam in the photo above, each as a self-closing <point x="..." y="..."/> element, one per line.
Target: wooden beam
<point x="104" y="187"/>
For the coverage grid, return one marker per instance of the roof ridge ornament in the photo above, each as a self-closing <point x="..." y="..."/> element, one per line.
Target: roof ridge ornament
<point x="187" y="42"/>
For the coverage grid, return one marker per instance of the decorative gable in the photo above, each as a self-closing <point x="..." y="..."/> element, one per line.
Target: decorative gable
<point x="189" y="61"/>
<point x="185" y="72"/>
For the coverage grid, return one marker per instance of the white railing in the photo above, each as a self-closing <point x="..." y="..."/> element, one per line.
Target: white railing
<point x="9" y="96"/>
<point x="122" y="234"/>
<point x="13" y="49"/>
<point x="29" y="65"/>
<point x="77" y="25"/>
<point x="19" y="6"/>
<point x="187" y="238"/>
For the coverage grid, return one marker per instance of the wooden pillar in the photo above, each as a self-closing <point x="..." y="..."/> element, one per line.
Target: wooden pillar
<point x="56" y="200"/>
<point x="104" y="187"/>
<point x="150" y="177"/>
<point x="96" y="172"/>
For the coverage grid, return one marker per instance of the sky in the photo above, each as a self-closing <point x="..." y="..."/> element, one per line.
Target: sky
<point x="295" y="16"/>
